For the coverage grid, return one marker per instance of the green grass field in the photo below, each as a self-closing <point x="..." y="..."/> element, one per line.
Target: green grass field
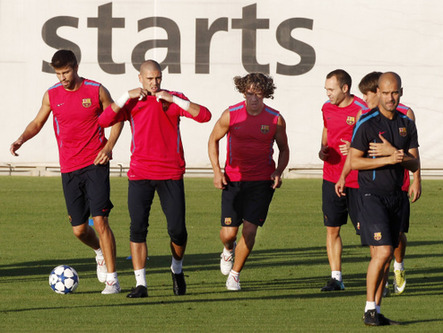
<point x="280" y="283"/>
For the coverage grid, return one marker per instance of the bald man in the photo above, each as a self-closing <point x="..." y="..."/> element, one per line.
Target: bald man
<point x="380" y="179"/>
<point x="157" y="165"/>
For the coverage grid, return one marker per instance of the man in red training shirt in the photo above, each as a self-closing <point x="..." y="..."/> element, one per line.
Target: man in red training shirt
<point x="84" y="154"/>
<point x="250" y="176"/>
<point x="157" y="164"/>
<point x="339" y="118"/>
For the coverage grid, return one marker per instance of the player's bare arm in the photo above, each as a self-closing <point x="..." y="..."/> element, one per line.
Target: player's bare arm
<point x="360" y="162"/>
<point x="281" y="140"/>
<point x="34" y="126"/>
<point x="105" y="154"/>
<point x="323" y="153"/>
<point x="411" y="160"/>
<point x="221" y="128"/>
<point x="192" y="108"/>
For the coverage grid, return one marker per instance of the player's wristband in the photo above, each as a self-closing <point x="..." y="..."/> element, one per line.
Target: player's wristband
<point x="184" y="104"/>
<point x="122" y="100"/>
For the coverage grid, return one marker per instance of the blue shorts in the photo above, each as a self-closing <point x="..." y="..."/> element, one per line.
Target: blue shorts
<point x="381" y="218"/>
<point x="87" y="193"/>
<point x="172" y="199"/>
<point x="246" y="200"/>
<point x="336" y="209"/>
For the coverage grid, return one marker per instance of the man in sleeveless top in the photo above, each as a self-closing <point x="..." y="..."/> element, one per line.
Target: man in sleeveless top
<point x="84" y="155"/>
<point x="250" y="175"/>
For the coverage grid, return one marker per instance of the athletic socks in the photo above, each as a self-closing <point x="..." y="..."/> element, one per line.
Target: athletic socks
<point x="227" y="252"/>
<point x="369" y="306"/>
<point x="399" y="266"/>
<point x="99" y="253"/>
<point x="140" y="277"/>
<point x="111" y="276"/>
<point x="176" y="266"/>
<point x="337" y="275"/>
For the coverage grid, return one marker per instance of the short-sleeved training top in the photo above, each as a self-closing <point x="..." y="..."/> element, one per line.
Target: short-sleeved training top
<point x="400" y="132"/>
<point x="340" y="123"/>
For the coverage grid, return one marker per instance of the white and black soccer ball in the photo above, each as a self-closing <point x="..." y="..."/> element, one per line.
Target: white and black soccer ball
<point x="63" y="279"/>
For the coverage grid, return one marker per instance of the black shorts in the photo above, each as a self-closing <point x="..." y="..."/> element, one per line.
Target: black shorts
<point x="87" y="193"/>
<point x="336" y="209"/>
<point x="381" y="218"/>
<point x="406" y="211"/>
<point x="172" y="199"/>
<point x="248" y="200"/>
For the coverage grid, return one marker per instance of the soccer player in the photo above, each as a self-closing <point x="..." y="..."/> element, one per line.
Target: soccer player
<point x="380" y="180"/>
<point x="339" y="190"/>
<point x="368" y="87"/>
<point x="157" y="164"/>
<point x="84" y="154"/>
<point x="250" y="175"/>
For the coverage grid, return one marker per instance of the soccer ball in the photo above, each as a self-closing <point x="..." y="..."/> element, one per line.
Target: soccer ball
<point x="63" y="279"/>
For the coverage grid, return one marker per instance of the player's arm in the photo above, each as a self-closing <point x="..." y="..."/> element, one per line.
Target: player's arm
<point x="411" y="160"/>
<point x="323" y="153"/>
<point x="340" y="185"/>
<point x="360" y="162"/>
<point x="281" y="139"/>
<point x="220" y="129"/>
<point x="197" y="111"/>
<point x="105" y="154"/>
<point x="34" y="126"/>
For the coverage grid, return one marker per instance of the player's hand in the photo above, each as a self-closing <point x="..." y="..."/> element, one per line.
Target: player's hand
<point x="15" y="146"/>
<point x="163" y="95"/>
<point x="220" y="180"/>
<point x="340" y="187"/>
<point x="414" y="191"/>
<point x="276" y="177"/>
<point x="139" y="93"/>
<point x="397" y="156"/>
<point x="324" y="153"/>
<point x="381" y="149"/>
<point x="344" y="148"/>
<point x="103" y="156"/>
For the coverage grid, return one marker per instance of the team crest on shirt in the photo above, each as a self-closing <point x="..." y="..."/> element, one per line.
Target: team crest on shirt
<point x="350" y="120"/>
<point x="264" y="129"/>
<point x="377" y="236"/>
<point x="86" y="102"/>
<point x="228" y="220"/>
<point x="402" y="131"/>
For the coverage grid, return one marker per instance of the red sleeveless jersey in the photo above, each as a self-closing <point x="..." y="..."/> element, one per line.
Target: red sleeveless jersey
<point x="250" y="143"/>
<point x="340" y="123"/>
<point x="75" y="118"/>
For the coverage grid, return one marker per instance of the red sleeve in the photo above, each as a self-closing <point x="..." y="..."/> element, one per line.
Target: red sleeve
<point x="109" y="117"/>
<point x="204" y="115"/>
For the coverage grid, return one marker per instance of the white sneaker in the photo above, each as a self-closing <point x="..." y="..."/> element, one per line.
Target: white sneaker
<point x="227" y="261"/>
<point x="112" y="287"/>
<point x="233" y="282"/>
<point x="101" y="270"/>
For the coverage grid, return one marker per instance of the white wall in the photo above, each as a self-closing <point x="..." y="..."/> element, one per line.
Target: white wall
<point x="358" y="36"/>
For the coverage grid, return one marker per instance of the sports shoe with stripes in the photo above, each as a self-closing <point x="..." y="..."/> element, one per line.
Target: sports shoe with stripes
<point x="101" y="269"/>
<point x="233" y="282"/>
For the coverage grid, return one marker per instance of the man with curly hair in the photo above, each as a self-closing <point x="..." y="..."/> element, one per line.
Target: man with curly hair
<point x="250" y="175"/>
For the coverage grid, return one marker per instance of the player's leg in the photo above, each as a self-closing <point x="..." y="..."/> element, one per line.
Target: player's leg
<point x="172" y="199"/>
<point x="97" y="186"/>
<point x="255" y="197"/>
<point x="230" y="222"/>
<point x="79" y="211"/>
<point x="335" y="214"/>
<point x="400" y="251"/>
<point x="140" y="196"/>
